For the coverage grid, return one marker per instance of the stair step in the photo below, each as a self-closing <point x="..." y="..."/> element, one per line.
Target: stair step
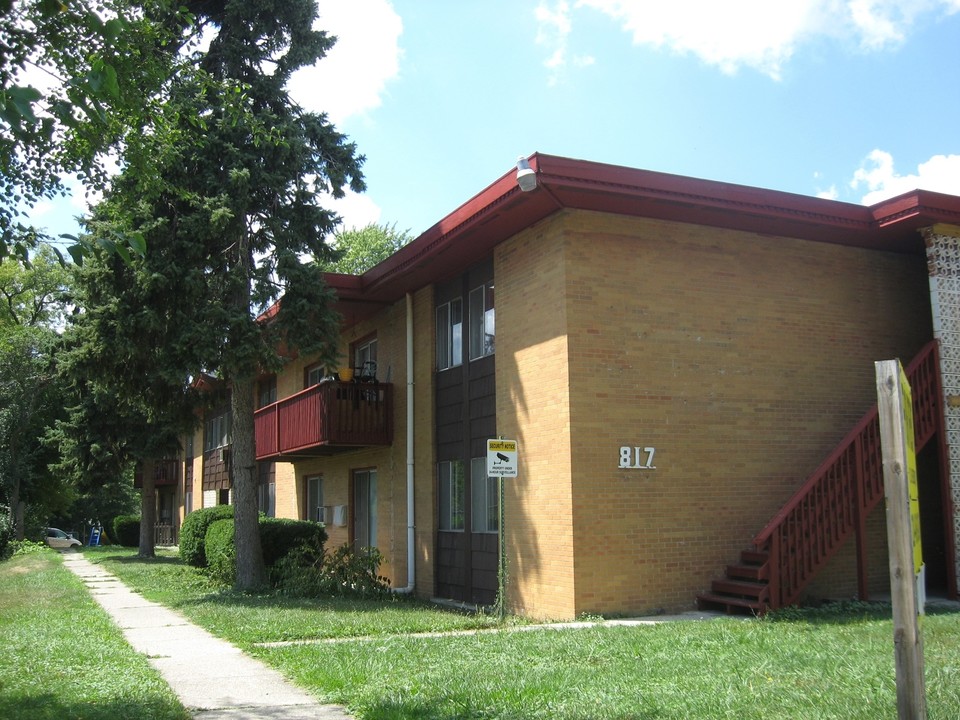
<point x="707" y="601"/>
<point x="754" y="557"/>
<point x="744" y="588"/>
<point x="748" y="572"/>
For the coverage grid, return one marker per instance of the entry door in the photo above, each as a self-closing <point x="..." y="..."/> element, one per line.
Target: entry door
<point x="364" y="510"/>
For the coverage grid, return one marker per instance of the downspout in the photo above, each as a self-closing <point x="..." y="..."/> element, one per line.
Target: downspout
<point x="411" y="550"/>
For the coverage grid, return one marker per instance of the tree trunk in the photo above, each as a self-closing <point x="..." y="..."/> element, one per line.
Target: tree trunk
<point x="20" y="512"/>
<point x="148" y="511"/>
<point x="251" y="572"/>
<point x="16" y="503"/>
<point x="16" y="509"/>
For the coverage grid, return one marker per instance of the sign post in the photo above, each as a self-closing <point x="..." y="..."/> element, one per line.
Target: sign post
<point x="895" y="408"/>
<point x="501" y="463"/>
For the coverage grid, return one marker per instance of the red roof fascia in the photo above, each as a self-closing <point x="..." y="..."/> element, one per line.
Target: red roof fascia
<point x="916" y="209"/>
<point x="499" y="211"/>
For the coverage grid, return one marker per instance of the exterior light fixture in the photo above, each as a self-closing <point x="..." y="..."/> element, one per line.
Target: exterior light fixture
<point x="526" y="177"/>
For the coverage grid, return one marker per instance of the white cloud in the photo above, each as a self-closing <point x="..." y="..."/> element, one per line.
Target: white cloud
<point x="759" y="34"/>
<point x="553" y="30"/>
<point x="355" y="211"/>
<point x="877" y="175"/>
<point x="352" y="78"/>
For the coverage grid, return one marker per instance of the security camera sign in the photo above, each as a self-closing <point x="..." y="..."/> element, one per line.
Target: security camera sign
<point x="501" y="458"/>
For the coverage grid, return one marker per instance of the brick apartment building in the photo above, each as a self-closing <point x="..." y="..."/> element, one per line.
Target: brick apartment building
<point x="676" y="358"/>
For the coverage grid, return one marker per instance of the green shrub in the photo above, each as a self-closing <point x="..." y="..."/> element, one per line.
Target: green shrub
<point x="193" y="533"/>
<point x="27" y="547"/>
<point x="278" y="536"/>
<point x="126" y="530"/>
<point x="309" y="572"/>
<point x="221" y="553"/>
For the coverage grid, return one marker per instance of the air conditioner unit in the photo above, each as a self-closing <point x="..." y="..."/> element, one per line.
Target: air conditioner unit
<point x="323" y="515"/>
<point x="220" y="454"/>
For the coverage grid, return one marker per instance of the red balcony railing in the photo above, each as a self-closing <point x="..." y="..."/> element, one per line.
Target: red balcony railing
<point x="324" y="418"/>
<point x="165" y="472"/>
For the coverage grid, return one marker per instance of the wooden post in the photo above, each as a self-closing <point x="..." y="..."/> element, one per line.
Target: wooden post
<point x="907" y="641"/>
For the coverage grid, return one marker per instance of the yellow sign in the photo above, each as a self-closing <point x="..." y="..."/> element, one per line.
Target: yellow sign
<point x="501" y="458"/>
<point x="911" y="470"/>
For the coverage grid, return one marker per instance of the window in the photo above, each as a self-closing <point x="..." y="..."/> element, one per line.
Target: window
<point x="313" y="374"/>
<point x="216" y="432"/>
<point x="267" y="488"/>
<point x="485" y="496"/>
<point x="188" y="502"/>
<point x="364" y="510"/>
<point x="452" y="494"/>
<point x="365" y="351"/>
<point x="450" y="334"/>
<point x="314" y="499"/>
<point x="482" y="322"/>
<point x="267" y="391"/>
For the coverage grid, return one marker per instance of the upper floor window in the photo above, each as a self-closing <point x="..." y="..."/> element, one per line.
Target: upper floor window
<point x="365" y="351"/>
<point x="313" y="374"/>
<point x="365" y="358"/>
<point x="450" y="334"/>
<point x="482" y="322"/>
<point x="216" y="431"/>
<point x="266" y="391"/>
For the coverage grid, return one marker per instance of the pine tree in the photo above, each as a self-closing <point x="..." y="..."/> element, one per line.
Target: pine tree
<point x="227" y="210"/>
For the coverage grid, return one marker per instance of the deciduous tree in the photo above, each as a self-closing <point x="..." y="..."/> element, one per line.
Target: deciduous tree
<point x="76" y="79"/>
<point x="359" y="249"/>
<point x="32" y="303"/>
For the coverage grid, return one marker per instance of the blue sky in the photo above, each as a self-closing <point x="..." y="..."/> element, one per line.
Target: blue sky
<point x="856" y="100"/>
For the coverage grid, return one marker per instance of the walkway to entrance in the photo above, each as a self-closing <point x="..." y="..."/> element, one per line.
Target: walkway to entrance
<point x="213" y="679"/>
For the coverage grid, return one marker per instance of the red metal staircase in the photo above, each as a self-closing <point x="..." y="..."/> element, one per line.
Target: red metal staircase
<point x="832" y="505"/>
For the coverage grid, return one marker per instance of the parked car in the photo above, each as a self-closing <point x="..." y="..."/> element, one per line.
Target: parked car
<point x="57" y="538"/>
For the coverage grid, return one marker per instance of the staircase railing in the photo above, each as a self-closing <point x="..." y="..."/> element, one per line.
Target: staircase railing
<point x="841" y="493"/>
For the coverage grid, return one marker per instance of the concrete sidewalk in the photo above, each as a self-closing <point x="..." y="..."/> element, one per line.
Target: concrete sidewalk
<point x="213" y="679"/>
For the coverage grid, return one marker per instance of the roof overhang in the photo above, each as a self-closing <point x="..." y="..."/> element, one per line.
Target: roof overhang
<point x="469" y="233"/>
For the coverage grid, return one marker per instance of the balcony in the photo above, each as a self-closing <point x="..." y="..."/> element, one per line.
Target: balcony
<point x="325" y="419"/>
<point x="165" y="472"/>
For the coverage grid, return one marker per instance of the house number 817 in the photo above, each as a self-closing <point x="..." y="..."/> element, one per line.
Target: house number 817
<point x="637" y="458"/>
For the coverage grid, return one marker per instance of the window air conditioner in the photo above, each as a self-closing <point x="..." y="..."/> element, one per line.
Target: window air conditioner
<point x="323" y="515"/>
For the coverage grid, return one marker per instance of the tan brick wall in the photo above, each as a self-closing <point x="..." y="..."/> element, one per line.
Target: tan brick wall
<point x="838" y="580"/>
<point x="742" y="359"/>
<point x="288" y="500"/>
<point x="532" y="407"/>
<point x="197" y="463"/>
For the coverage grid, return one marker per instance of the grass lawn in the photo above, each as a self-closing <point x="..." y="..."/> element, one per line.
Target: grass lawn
<point x="831" y="663"/>
<point x="250" y="619"/>
<point x="61" y="657"/>
<point x="830" y="667"/>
